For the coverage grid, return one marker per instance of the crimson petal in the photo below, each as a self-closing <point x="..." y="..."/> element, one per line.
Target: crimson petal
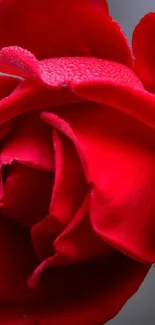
<point x="70" y="184"/>
<point x="7" y="84"/>
<point x="89" y="293"/>
<point x="95" y="293"/>
<point x="43" y="235"/>
<point x="78" y="241"/>
<point x="120" y="156"/>
<point x="62" y="76"/>
<point x="27" y="193"/>
<point x="123" y="92"/>
<point x="56" y="71"/>
<point x="76" y="28"/>
<point x="30" y="143"/>
<point x="68" y="192"/>
<point x="17" y="261"/>
<point x="13" y="105"/>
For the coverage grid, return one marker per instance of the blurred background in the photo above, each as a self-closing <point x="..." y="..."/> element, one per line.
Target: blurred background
<point x="129" y="12"/>
<point x="140" y="309"/>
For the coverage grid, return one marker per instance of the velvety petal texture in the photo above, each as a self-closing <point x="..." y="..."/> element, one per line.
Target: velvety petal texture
<point x="57" y="29"/>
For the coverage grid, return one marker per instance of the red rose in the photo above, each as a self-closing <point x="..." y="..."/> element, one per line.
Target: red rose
<point x="77" y="194"/>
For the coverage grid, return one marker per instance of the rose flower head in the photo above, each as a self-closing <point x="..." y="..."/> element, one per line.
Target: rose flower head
<point x="77" y="158"/>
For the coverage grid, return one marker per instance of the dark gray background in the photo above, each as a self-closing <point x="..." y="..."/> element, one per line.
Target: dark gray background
<point x="140" y="309"/>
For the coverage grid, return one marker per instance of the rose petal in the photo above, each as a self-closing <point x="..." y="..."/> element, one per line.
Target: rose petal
<point x="83" y="32"/>
<point x="68" y="193"/>
<point x="31" y="143"/>
<point x="45" y="22"/>
<point x="56" y="260"/>
<point x="17" y="261"/>
<point x="144" y="50"/>
<point x="91" y="292"/>
<point x="78" y="241"/>
<point x="120" y="155"/>
<point x="43" y="235"/>
<point x="70" y="184"/>
<point x="6" y="129"/>
<point x="59" y="71"/>
<point x="13" y="105"/>
<point x="60" y="125"/>
<point x="7" y="84"/>
<point x="29" y="96"/>
<point x="101" y="4"/>
<point x="127" y="223"/>
<point x="27" y="193"/>
<point x="93" y="135"/>
<point x="14" y="58"/>
<point x="87" y="293"/>
<point x="15" y="319"/>
<point x="63" y="76"/>
<point x="127" y="96"/>
<point x="45" y="97"/>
